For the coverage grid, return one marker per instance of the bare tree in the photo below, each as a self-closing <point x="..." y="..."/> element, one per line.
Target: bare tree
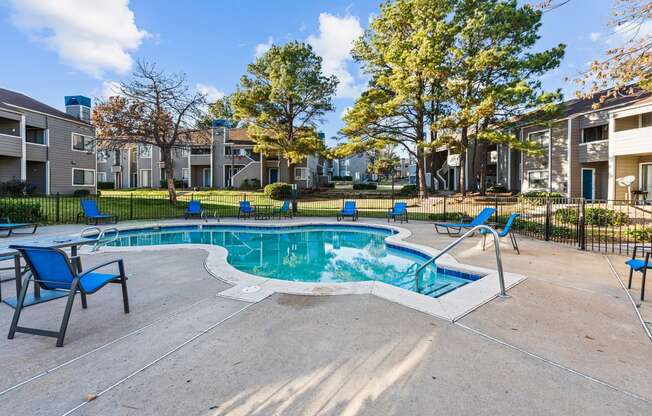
<point x="152" y="108"/>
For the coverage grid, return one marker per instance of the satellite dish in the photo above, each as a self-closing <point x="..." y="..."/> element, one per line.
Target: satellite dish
<point x="626" y="182"/>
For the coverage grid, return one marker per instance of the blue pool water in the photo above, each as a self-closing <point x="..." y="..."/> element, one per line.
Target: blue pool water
<point x="310" y="254"/>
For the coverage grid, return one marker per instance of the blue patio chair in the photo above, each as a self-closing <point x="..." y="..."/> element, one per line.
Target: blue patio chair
<point x="51" y="269"/>
<point x="92" y="214"/>
<point x="456" y="228"/>
<point x="11" y="227"/>
<point x="639" y="265"/>
<point x="506" y="231"/>
<point x="284" y="211"/>
<point x="398" y="211"/>
<point x="245" y="209"/>
<point x="349" y="210"/>
<point x="194" y="209"/>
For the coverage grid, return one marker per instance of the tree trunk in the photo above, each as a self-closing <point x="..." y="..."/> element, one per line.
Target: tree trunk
<point x="464" y="144"/>
<point x="421" y="173"/>
<point x="482" y="168"/>
<point x="169" y="174"/>
<point x="433" y="176"/>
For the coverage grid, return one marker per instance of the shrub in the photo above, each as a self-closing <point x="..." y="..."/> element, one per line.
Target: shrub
<point x="278" y="190"/>
<point x="81" y="192"/>
<point x="16" y="187"/>
<point x="365" y="185"/>
<point x="21" y="211"/>
<point x="567" y="216"/>
<point x="249" y="184"/>
<point x="345" y="178"/>
<point x="105" y="185"/>
<point x="178" y="183"/>
<point x="330" y="185"/>
<point x="496" y="189"/>
<point x="407" y="190"/>
<point x="640" y="234"/>
<point x="538" y="197"/>
<point x="603" y="217"/>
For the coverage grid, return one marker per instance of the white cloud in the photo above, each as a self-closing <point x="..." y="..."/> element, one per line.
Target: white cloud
<point x="212" y="94"/>
<point x="595" y="36"/>
<point x="110" y="89"/>
<point x="345" y="111"/>
<point x="261" y="48"/>
<point x="630" y="32"/>
<point x="333" y="44"/>
<point x="91" y="36"/>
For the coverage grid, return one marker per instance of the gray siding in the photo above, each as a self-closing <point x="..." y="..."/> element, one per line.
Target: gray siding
<point x="594" y="152"/>
<point x="9" y="168"/>
<point x="36" y="152"/>
<point x="36" y="120"/>
<point x="63" y="158"/>
<point x="11" y="146"/>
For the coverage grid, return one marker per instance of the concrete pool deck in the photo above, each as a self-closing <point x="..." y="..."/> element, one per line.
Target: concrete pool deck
<point x="567" y="341"/>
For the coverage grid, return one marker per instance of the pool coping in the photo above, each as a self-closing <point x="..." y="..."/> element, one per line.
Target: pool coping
<point x="251" y="288"/>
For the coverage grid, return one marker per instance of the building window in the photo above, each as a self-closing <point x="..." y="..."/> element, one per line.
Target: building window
<point x="102" y="156"/>
<point x="537" y="179"/>
<point x="594" y="134"/>
<point x="83" y="177"/>
<point x="101" y="176"/>
<point x="34" y="135"/>
<point x="646" y="120"/>
<point x="185" y="176"/>
<point x="83" y="143"/>
<point x="9" y="127"/>
<point x="300" y="174"/>
<point x="540" y="137"/>
<point x="626" y="123"/>
<point x="145" y="151"/>
<point x="200" y="151"/>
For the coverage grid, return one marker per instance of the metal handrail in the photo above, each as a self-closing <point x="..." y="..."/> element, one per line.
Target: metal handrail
<point x="103" y="232"/>
<point x="97" y="230"/>
<point x="499" y="261"/>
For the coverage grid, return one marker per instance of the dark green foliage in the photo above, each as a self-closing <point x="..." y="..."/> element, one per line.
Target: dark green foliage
<point x="105" y="185"/>
<point x="365" y="186"/>
<point x="408" y="190"/>
<point x="278" y="190"/>
<point x="449" y="216"/>
<point x="20" y="212"/>
<point x="178" y="183"/>
<point x="81" y="192"/>
<point x="16" y="187"/>
<point x="342" y="178"/>
<point x="250" y="184"/>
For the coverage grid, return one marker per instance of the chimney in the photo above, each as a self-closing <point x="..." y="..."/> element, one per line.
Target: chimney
<point x="78" y="106"/>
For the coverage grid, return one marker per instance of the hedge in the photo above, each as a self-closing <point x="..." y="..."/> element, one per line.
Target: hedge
<point x="599" y="217"/>
<point x="21" y="212"/>
<point x="105" y="185"/>
<point x="178" y="183"/>
<point x="278" y="190"/>
<point x="363" y="185"/>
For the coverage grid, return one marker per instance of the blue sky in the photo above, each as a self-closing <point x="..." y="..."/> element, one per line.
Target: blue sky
<point x="68" y="47"/>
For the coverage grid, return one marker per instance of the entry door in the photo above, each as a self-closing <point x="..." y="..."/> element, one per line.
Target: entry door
<point x="646" y="179"/>
<point x="206" y="177"/>
<point x="588" y="182"/>
<point x="273" y="175"/>
<point x="144" y="178"/>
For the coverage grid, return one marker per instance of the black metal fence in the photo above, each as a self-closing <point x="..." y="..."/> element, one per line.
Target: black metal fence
<point x="606" y="226"/>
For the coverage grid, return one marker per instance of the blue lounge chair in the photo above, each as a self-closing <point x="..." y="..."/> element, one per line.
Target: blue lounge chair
<point x="639" y="265"/>
<point x="51" y="269"/>
<point x="349" y="210"/>
<point x="399" y="211"/>
<point x="284" y="211"/>
<point x="456" y="228"/>
<point x="246" y="210"/>
<point x="506" y="231"/>
<point x="194" y="209"/>
<point x="92" y="214"/>
<point x="11" y="227"/>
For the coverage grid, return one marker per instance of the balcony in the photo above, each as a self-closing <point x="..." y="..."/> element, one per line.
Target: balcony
<point x="116" y="169"/>
<point x="597" y="151"/>
<point x="632" y="141"/>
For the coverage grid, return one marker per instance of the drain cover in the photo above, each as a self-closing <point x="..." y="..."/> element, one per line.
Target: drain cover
<point x="251" y="289"/>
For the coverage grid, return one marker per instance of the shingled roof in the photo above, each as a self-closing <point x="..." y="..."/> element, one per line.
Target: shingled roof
<point x="13" y="98"/>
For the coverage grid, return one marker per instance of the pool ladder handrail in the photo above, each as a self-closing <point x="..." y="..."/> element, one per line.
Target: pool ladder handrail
<point x="499" y="261"/>
<point x="100" y="234"/>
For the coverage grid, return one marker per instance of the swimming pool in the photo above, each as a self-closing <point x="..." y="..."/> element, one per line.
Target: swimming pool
<point x="315" y="253"/>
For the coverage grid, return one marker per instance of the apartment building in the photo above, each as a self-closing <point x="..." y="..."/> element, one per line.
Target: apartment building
<point x="584" y="153"/>
<point x="221" y="157"/>
<point x="356" y="166"/>
<point x="49" y="148"/>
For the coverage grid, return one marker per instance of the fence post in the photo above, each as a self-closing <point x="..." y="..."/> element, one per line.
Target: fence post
<point x="546" y="236"/>
<point x="581" y="232"/>
<point x="131" y="206"/>
<point x="58" y="209"/>
<point x="496" y="209"/>
<point x="444" y="213"/>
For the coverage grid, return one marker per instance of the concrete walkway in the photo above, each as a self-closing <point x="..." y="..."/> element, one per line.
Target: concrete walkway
<point x="567" y="342"/>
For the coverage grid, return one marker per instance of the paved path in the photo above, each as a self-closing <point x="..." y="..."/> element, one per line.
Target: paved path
<point x="566" y="343"/>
